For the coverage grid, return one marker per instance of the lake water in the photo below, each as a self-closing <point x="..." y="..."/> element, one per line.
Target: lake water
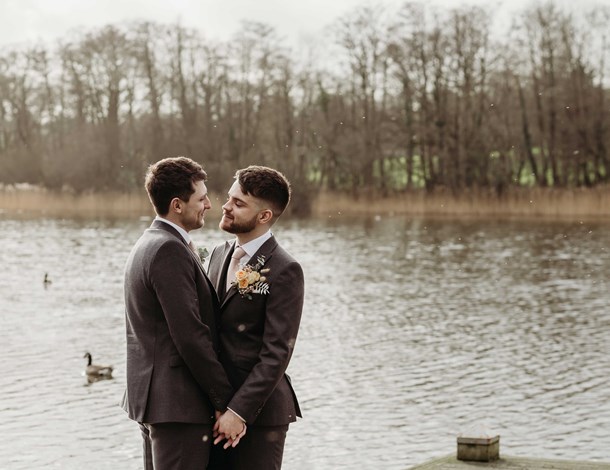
<point x="414" y="331"/>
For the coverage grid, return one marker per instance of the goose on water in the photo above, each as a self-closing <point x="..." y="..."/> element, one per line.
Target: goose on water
<point x="95" y="369"/>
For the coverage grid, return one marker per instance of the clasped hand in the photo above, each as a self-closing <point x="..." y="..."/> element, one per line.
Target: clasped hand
<point x="228" y="426"/>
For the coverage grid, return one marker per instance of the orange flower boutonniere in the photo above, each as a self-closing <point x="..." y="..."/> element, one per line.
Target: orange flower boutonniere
<point x="251" y="279"/>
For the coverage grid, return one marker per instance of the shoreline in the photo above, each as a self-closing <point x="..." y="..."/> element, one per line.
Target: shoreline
<point x="516" y="203"/>
<point x="546" y="203"/>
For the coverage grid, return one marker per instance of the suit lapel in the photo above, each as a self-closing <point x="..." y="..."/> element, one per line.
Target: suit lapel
<point x="157" y="224"/>
<point x="228" y="294"/>
<point x="225" y="259"/>
<point x="265" y="250"/>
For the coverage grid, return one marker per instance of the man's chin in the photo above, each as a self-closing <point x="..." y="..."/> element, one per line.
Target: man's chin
<point x="225" y="224"/>
<point x="226" y="227"/>
<point x="200" y="223"/>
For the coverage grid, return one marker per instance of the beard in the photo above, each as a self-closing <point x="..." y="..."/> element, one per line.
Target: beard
<point x="239" y="227"/>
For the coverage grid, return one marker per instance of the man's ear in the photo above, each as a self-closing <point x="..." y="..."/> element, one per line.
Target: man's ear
<point x="175" y="205"/>
<point x="265" y="216"/>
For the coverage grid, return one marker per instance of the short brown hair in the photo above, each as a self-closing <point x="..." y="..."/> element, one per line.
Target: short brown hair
<point x="172" y="177"/>
<point x="267" y="184"/>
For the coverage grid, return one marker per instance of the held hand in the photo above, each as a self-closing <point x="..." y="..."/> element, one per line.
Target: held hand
<point x="217" y="415"/>
<point x="234" y="442"/>
<point x="229" y="427"/>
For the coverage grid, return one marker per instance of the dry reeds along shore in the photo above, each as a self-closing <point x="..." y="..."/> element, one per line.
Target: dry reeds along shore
<point x="516" y="202"/>
<point x="32" y="200"/>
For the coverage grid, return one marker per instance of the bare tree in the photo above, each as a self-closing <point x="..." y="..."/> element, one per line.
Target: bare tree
<point x="413" y="98"/>
<point x="363" y="37"/>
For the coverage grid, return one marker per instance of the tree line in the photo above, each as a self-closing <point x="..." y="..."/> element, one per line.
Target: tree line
<point x="405" y="99"/>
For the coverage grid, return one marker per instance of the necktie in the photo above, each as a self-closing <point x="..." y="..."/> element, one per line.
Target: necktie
<point x="194" y="250"/>
<point x="238" y="254"/>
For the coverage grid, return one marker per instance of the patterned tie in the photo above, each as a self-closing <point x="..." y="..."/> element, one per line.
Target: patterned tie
<point x="238" y="254"/>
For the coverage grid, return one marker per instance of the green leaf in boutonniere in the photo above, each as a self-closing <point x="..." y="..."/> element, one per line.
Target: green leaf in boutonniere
<point x="203" y="253"/>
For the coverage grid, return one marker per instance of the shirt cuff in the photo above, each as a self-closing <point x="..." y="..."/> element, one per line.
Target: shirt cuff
<point x="232" y="411"/>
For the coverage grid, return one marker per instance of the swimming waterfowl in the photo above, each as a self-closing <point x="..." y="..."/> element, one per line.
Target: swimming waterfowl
<point x="95" y="369"/>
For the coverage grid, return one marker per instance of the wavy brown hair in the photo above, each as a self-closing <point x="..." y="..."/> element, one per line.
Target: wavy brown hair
<point x="172" y="177"/>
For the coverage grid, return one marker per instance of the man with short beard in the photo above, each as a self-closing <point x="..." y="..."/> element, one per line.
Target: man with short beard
<point x="261" y="305"/>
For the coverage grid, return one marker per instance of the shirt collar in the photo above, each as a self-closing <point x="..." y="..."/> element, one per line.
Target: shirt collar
<point x="253" y="245"/>
<point x="183" y="233"/>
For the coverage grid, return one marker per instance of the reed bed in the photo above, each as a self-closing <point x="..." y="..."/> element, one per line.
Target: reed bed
<point x="514" y="203"/>
<point x="41" y="202"/>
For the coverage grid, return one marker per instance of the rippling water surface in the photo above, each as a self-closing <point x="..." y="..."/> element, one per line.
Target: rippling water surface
<point x="413" y="332"/>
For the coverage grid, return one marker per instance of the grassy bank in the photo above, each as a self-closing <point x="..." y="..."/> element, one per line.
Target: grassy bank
<point x="522" y="202"/>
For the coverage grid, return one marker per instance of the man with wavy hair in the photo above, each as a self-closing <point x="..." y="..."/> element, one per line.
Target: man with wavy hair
<point x="175" y="383"/>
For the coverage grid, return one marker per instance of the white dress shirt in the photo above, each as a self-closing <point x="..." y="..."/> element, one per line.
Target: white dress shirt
<point x="183" y="233"/>
<point x="253" y="246"/>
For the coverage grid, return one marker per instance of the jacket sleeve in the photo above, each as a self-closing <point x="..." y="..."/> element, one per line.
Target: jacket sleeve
<point x="172" y="274"/>
<point x="282" y="319"/>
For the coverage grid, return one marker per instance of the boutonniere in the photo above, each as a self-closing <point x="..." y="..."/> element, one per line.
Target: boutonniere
<point x="203" y="253"/>
<point x="251" y="280"/>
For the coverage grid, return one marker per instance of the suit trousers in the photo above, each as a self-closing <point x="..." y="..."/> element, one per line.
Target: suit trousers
<point x="176" y="446"/>
<point x="262" y="448"/>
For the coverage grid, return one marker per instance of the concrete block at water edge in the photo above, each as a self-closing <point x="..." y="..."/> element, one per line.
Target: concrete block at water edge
<point x="480" y="449"/>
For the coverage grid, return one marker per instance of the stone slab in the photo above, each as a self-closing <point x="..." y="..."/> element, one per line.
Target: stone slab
<point x="511" y="463"/>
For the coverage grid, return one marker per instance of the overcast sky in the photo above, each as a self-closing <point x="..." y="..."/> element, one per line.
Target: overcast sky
<point x="30" y="21"/>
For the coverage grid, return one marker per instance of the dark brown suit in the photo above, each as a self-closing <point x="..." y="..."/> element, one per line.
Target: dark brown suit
<point x="173" y="373"/>
<point x="257" y="338"/>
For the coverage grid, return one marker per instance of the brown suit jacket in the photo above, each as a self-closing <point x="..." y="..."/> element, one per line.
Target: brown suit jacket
<point x="173" y="372"/>
<point x="257" y="335"/>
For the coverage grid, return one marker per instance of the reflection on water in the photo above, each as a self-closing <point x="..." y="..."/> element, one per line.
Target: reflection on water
<point x="413" y="331"/>
<point x="91" y="379"/>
